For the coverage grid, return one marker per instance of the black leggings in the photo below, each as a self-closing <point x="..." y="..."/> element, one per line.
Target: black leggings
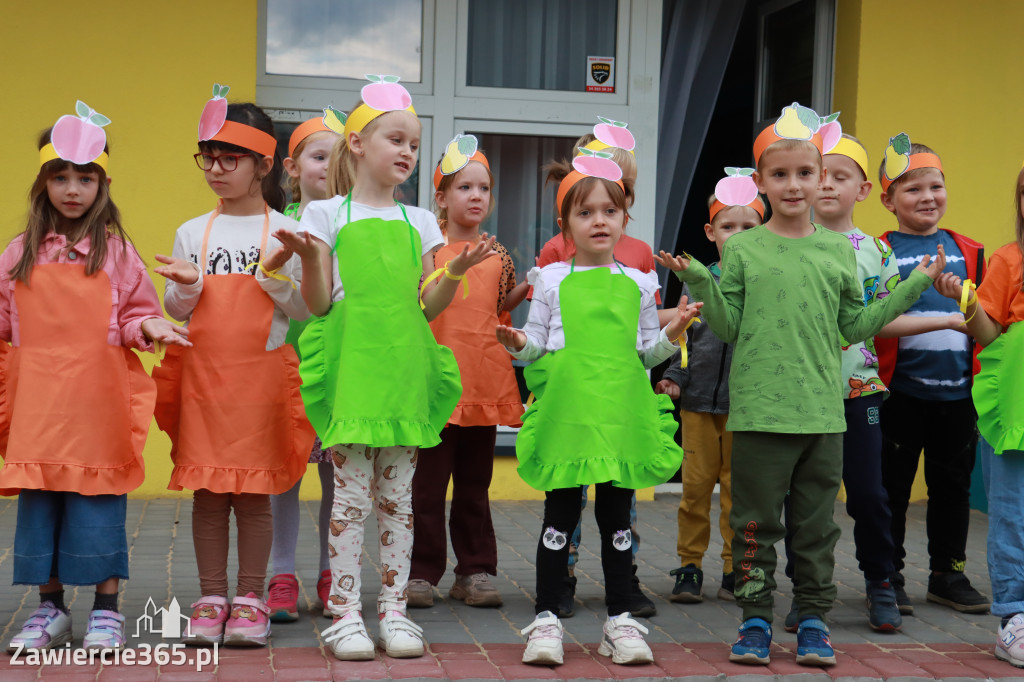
<point x="561" y="514"/>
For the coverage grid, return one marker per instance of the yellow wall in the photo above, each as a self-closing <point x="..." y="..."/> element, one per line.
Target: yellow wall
<point x="149" y="67"/>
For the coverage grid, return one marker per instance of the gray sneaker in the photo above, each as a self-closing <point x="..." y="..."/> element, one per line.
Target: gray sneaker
<point x="420" y="594"/>
<point x="475" y="590"/>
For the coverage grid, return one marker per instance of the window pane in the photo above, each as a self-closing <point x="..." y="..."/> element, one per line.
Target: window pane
<point x="525" y="216"/>
<point x="538" y="44"/>
<point x="788" y="57"/>
<point x="344" y="38"/>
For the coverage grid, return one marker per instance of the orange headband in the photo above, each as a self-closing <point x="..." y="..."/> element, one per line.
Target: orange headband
<point x="768" y="137"/>
<point x="477" y="156"/>
<point x="246" y="137"/>
<point x="305" y="129"/>
<point x="756" y="204"/>
<point x="571" y="179"/>
<point x="922" y="160"/>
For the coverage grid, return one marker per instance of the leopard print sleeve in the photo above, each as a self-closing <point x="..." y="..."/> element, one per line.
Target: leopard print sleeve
<point x="508" y="274"/>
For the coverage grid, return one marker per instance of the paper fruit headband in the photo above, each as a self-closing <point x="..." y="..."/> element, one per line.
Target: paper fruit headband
<point x="317" y="124"/>
<point x="835" y="143"/>
<point x="737" y="188"/>
<point x="589" y="164"/>
<point x="457" y="155"/>
<point x="609" y="133"/>
<point x="381" y="95"/>
<point x="796" y="123"/>
<point x="79" y="139"/>
<point x="899" y="160"/>
<point x="214" y="127"/>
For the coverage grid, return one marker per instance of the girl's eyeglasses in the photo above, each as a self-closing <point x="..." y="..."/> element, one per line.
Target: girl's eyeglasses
<point x="228" y="162"/>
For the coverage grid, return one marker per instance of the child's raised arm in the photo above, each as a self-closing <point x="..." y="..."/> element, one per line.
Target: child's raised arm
<point x="723" y="302"/>
<point x="979" y="324"/>
<point x="437" y="297"/>
<point x="317" y="266"/>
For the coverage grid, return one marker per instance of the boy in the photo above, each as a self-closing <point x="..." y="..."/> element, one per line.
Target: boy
<point x="789" y="289"/>
<point x="703" y="389"/>
<point x="930" y="404"/>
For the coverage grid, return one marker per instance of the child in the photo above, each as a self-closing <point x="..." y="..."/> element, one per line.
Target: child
<point x="231" y="403"/>
<point x="703" y="389"/>
<point x="993" y="319"/>
<point x="309" y="149"/>
<point x="611" y="137"/>
<point x="789" y="289"/>
<point x="74" y="299"/>
<point x="929" y="378"/>
<point x="596" y="419"/>
<point x="490" y="395"/>
<point x="371" y="334"/>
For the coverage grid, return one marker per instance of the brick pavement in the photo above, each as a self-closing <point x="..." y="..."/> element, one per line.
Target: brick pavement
<point x="689" y="641"/>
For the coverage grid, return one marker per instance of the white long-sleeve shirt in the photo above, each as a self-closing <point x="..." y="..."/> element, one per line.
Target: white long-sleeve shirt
<point x="234" y="248"/>
<point x="544" y="333"/>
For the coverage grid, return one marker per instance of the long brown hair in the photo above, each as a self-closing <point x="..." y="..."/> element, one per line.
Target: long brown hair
<point x="101" y="222"/>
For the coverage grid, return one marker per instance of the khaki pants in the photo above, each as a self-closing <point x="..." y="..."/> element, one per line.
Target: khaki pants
<point x="708" y="450"/>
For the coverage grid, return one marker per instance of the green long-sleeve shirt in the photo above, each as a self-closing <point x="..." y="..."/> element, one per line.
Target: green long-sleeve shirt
<point x="784" y="303"/>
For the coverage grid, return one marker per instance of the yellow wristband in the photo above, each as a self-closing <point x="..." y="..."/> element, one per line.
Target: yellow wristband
<point x="449" y="275"/>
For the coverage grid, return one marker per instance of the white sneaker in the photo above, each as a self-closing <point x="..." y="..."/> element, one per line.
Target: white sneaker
<point x="399" y="636"/>
<point x="48" y="627"/>
<point x="348" y="639"/>
<point x="624" y="642"/>
<point x="544" y="647"/>
<point x="1010" y="642"/>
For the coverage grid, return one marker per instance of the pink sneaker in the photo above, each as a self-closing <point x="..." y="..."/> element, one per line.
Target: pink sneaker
<point x="206" y="626"/>
<point x="283" y="598"/>
<point x="249" y="624"/>
<point x="323" y="590"/>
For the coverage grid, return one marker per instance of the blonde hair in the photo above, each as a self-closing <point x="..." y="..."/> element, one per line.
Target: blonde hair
<point x="293" y="182"/>
<point x="341" y="169"/>
<point x="446" y="183"/>
<point x="788" y="145"/>
<point x="624" y="160"/>
<point x="915" y="148"/>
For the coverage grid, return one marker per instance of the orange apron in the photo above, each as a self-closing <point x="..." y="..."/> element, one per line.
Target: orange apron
<point x="490" y="394"/>
<point x="78" y="409"/>
<point x="231" y="407"/>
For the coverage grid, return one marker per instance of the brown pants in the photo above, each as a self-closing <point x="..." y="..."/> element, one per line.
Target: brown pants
<point x="210" y="526"/>
<point x="708" y="455"/>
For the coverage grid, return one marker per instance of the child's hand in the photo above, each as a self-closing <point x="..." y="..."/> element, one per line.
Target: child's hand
<point x="302" y="243"/>
<point x="483" y="250"/>
<point x="673" y="263"/>
<point x="510" y="337"/>
<point x="934" y="269"/>
<point x="159" y="330"/>
<point x="277" y="258"/>
<point x="949" y="285"/>
<point x="957" y="323"/>
<point x="668" y="387"/>
<point x="177" y="270"/>
<point x="685" y="312"/>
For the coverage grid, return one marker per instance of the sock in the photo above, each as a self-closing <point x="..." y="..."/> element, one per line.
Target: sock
<point x="105" y="602"/>
<point x="56" y="598"/>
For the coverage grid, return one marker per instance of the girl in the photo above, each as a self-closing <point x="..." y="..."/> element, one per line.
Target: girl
<point x="994" y="317"/>
<point x="309" y="149"/>
<point x="231" y="404"/>
<point x="596" y="419"/>
<point x="490" y="396"/>
<point x="376" y="384"/>
<point x="74" y="299"/>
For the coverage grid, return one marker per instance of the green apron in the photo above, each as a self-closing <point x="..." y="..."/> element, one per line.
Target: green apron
<point x="596" y="418"/>
<point x="997" y="391"/>
<point x="371" y="370"/>
<point x="295" y="327"/>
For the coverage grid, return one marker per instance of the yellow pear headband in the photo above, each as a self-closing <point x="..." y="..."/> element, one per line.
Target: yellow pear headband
<point x="214" y="126"/>
<point x="78" y="139"/>
<point x="381" y="95"/>
<point x="737" y="188"/>
<point x="609" y="133"/>
<point x="796" y="123"/>
<point x="899" y="160"/>
<point x="457" y="155"/>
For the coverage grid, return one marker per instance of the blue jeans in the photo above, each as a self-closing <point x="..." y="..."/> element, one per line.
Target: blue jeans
<point x="577" y="535"/>
<point x="1003" y="475"/>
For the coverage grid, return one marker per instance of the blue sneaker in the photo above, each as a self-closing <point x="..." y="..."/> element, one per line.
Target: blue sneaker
<point x="754" y="643"/>
<point x="812" y="644"/>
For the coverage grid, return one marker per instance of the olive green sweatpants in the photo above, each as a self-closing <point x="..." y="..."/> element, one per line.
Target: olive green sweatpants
<point x="764" y="467"/>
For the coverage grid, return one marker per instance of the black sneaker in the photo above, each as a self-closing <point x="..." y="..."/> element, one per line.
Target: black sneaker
<point x="792" y="623"/>
<point x="954" y="590"/>
<point x="883" y="612"/>
<point x="902" y="600"/>
<point x="567" y="602"/>
<point x="689" y="581"/>
<point x="640" y="606"/>
<point x="728" y="587"/>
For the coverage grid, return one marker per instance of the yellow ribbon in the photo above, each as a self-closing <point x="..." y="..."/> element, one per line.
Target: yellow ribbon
<point x="681" y="341"/>
<point x="437" y="273"/>
<point x="159" y="350"/>
<point x="271" y="273"/>
<point x="968" y="297"/>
